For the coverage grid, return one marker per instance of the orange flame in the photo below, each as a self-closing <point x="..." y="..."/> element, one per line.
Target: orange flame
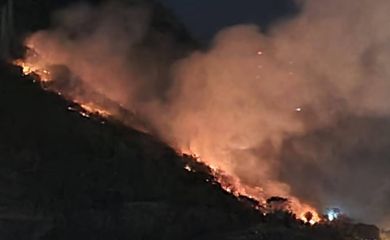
<point x="228" y="182"/>
<point x="44" y="75"/>
<point x="233" y="185"/>
<point x="34" y="66"/>
<point x="93" y="108"/>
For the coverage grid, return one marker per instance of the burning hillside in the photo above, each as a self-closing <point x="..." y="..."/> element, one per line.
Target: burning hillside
<point x="67" y="177"/>
<point x="56" y="81"/>
<point x="75" y="178"/>
<point x="291" y="123"/>
<point x="238" y="105"/>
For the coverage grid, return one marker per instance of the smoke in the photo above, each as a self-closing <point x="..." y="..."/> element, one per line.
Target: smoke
<point x="301" y="111"/>
<point x="111" y="49"/>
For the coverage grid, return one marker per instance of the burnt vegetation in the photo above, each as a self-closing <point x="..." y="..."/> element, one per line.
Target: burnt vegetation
<point x="65" y="176"/>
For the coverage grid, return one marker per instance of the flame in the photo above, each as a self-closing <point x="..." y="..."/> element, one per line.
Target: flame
<point x="93" y="108"/>
<point x="303" y="209"/>
<point x="32" y="64"/>
<point x="29" y="66"/>
<point x="234" y="186"/>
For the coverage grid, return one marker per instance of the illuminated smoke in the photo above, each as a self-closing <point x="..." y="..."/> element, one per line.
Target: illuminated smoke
<point x="244" y="105"/>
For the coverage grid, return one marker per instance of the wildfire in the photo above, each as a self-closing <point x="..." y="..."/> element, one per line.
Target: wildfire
<point x="93" y="108"/>
<point x="234" y="186"/>
<point x="307" y="214"/>
<point x="230" y="183"/>
<point x="33" y="65"/>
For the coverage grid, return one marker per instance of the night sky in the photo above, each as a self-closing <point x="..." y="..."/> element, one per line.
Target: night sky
<point x="205" y="17"/>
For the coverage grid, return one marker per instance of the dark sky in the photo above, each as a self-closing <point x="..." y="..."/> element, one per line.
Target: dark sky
<point x="205" y="17"/>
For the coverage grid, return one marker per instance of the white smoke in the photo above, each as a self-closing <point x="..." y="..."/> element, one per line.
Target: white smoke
<point x="239" y="104"/>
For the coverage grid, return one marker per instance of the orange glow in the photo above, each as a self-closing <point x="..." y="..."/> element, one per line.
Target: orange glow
<point x="221" y="170"/>
<point x="37" y="69"/>
<point x="93" y="108"/>
<point x="301" y="211"/>
<point x="233" y="185"/>
<point x="30" y="67"/>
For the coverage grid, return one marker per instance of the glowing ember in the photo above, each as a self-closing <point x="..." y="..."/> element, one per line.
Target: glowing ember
<point x="92" y="108"/>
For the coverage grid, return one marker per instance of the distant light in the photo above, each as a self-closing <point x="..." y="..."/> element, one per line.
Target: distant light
<point x="333" y="214"/>
<point x="188" y="168"/>
<point x="298" y="109"/>
<point x="259" y="53"/>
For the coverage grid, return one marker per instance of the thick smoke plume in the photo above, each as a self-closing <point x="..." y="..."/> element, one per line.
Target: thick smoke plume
<point x="301" y="111"/>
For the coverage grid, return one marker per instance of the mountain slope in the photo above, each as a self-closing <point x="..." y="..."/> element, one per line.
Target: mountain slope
<point x="65" y="176"/>
<point x="79" y="175"/>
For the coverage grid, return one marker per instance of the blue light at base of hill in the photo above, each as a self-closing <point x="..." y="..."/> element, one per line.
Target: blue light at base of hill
<point x="333" y="213"/>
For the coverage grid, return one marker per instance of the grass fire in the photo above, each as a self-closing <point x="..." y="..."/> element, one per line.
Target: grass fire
<point x="229" y="183"/>
<point x="290" y="119"/>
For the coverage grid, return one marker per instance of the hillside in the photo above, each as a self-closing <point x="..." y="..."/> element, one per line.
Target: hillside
<point x="67" y="176"/>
